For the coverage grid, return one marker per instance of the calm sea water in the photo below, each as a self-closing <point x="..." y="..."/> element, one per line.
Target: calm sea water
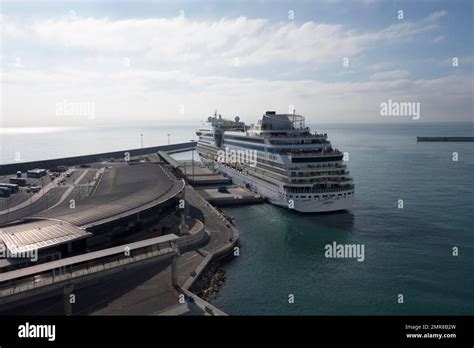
<point x="407" y="251"/>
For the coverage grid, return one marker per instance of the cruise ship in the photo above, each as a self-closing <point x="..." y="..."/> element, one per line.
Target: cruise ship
<point x="279" y="158"/>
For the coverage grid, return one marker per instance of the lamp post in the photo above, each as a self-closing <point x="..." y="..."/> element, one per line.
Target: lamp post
<point x="8" y="207"/>
<point x="168" y="138"/>
<point x="192" y="159"/>
<point x="141" y="136"/>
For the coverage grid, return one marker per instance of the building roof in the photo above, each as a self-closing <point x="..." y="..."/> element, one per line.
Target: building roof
<point x="39" y="235"/>
<point x="68" y="261"/>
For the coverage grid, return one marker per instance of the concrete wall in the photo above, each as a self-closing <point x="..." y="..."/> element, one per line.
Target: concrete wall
<point x="12" y="168"/>
<point x="193" y="241"/>
<point x="224" y="251"/>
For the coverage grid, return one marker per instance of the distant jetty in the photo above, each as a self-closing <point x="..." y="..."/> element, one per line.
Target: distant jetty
<point x="444" y="138"/>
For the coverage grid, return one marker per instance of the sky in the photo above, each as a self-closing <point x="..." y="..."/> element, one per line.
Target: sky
<point x="86" y="63"/>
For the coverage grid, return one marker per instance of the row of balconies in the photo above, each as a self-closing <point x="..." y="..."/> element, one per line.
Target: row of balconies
<point x="318" y="190"/>
<point x="319" y="173"/>
<point x="326" y="179"/>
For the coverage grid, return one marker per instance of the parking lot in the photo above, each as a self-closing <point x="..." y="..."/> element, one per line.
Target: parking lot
<point x="41" y="193"/>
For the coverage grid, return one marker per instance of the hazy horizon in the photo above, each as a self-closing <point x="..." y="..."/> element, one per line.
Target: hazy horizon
<point x="157" y="123"/>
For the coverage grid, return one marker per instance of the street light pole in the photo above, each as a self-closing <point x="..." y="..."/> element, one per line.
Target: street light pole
<point x="192" y="159"/>
<point x="141" y="136"/>
<point x="168" y="138"/>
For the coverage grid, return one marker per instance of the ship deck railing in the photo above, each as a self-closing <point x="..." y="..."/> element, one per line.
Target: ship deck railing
<point x="306" y="130"/>
<point x="317" y="166"/>
<point x="319" y="174"/>
<point x="310" y="154"/>
<point x="320" y="181"/>
<point x="329" y="190"/>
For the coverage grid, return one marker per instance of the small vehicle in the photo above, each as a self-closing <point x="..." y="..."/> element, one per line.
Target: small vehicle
<point x="60" y="169"/>
<point x="223" y="189"/>
<point x="18" y="181"/>
<point x="33" y="189"/>
<point x="4" y="192"/>
<point x="12" y="187"/>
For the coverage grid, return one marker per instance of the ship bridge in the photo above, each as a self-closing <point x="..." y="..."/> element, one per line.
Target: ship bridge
<point x="271" y="121"/>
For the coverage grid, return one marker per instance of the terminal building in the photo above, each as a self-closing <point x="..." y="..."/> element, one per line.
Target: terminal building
<point x="127" y="199"/>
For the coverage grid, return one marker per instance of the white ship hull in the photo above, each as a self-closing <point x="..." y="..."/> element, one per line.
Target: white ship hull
<point x="304" y="205"/>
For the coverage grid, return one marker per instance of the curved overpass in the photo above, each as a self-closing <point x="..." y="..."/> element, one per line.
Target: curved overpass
<point x="122" y="191"/>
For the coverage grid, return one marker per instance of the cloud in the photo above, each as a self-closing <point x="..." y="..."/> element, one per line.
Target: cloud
<point x="383" y="65"/>
<point x="436" y="15"/>
<point x="155" y="95"/>
<point x="10" y="28"/>
<point x="390" y="75"/>
<point x="255" y="42"/>
<point x="176" y="62"/>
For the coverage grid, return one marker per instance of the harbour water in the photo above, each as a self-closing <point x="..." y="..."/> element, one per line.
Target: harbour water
<point x="408" y="251"/>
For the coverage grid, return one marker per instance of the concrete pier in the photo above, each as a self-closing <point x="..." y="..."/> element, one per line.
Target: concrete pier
<point x="12" y="168"/>
<point x="196" y="174"/>
<point x="200" y="176"/>
<point x="233" y="196"/>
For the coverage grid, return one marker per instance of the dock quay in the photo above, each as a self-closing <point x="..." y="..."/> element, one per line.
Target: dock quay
<point x="231" y="196"/>
<point x="119" y="206"/>
<point x="196" y="174"/>
<point x="214" y="188"/>
<point x="444" y="138"/>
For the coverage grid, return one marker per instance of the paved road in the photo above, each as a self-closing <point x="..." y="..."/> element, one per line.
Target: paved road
<point x="121" y="189"/>
<point x="49" y="199"/>
<point x="54" y="197"/>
